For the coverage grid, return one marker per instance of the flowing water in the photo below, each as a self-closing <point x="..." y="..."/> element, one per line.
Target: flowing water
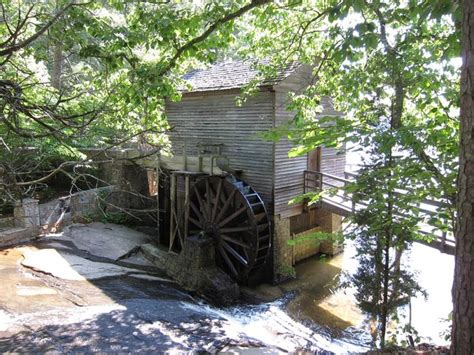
<point x="317" y="313"/>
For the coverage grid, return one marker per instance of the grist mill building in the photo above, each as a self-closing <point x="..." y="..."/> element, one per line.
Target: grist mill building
<point x="255" y="224"/>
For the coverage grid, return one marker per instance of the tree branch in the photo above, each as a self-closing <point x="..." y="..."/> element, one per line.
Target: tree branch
<point x="16" y="47"/>
<point x="229" y="17"/>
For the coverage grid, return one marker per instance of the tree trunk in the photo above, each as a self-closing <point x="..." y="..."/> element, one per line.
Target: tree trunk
<point x="386" y="285"/>
<point x="463" y="286"/>
<point x="57" y="66"/>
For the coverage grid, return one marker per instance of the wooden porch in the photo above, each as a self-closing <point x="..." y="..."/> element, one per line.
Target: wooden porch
<point x="337" y="201"/>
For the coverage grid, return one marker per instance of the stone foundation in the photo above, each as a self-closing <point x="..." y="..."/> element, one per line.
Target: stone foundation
<point x="289" y="248"/>
<point x="17" y="235"/>
<point x="23" y="226"/>
<point x="304" y="245"/>
<point x="331" y="223"/>
<point x="195" y="270"/>
<point x="26" y="213"/>
<point x="282" y="250"/>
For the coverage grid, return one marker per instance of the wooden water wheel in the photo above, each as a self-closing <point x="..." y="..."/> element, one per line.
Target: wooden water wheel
<point x="234" y="216"/>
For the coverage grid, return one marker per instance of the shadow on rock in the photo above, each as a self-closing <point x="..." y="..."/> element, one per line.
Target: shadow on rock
<point x="142" y="325"/>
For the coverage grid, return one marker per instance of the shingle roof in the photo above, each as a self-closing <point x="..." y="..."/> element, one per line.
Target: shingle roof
<point x="230" y="75"/>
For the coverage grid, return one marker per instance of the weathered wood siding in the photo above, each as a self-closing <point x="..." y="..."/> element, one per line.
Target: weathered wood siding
<point x="333" y="162"/>
<point x="214" y="118"/>
<point x="289" y="171"/>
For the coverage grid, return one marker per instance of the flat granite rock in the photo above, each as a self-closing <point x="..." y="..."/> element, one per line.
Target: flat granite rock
<point x="103" y="239"/>
<point x="70" y="267"/>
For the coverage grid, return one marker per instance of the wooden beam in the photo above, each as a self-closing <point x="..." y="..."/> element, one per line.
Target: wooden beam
<point x="172" y="209"/>
<point x="186" y="206"/>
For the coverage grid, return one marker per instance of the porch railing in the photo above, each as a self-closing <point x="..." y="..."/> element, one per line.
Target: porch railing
<point x="345" y="204"/>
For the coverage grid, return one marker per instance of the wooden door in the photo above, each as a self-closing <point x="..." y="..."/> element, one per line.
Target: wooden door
<point x="314" y="159"/>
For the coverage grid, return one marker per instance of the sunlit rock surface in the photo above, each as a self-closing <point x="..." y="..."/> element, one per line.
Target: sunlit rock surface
<point x="62" y="296"/>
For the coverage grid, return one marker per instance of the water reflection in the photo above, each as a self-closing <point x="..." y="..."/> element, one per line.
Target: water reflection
<point x="435" y="274"/>
<point x="320" y="298"/>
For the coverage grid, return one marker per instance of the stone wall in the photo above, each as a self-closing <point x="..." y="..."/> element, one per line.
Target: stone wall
<point x="331" y="223"/>
<point x="31" y="219"/>
<point x="289" y="248"/>
<point x="282" y="251"/>
<point x="77" y="206"/>
<point x="305" y="245"/>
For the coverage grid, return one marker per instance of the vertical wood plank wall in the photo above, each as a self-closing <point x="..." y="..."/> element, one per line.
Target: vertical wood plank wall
<point x="289" y="171"/>
<point x="214" y="117"/>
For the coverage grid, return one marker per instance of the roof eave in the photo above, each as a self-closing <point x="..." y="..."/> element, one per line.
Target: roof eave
<point x="264" y="87"/>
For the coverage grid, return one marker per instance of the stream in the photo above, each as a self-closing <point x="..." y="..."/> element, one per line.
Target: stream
<point x="315" y="310"/>
<point x="67" y="293"/>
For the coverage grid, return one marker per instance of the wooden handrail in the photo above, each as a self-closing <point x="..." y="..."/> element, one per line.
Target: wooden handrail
<point x="334" y="177"/>
<point x="322" y="182"/>
<point x="426" y="201"/>
<point x="315" y="180"/>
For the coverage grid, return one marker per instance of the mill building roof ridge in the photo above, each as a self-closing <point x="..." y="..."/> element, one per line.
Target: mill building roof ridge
<point x="232" y="74"/>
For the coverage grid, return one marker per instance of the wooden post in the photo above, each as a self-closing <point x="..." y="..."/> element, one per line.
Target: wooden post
<point x="304" y="182"/>
<point x="443" y="241"/>
<point x="172" y="209"/>
<point x="200" y="158"/>
<point x="158" y="195"/>
<point x="186" y="206"/>
<point x="185" y="157"/>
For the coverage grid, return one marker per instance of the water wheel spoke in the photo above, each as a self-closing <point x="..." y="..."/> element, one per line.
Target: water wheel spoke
<point x="230" y="239"/>
<point x="221" y="208"/>
<point x="201" y="202"/>
<point x="195" y="222"/>
<point x="226" y="205"/>
<point x="216" y="200"/>
<point x="246" y="254"/>
<point x="232" y="216"/>
<point x="208" y="198"/>
<point x="223" y="197"/>
<point x="236" y="229"/>
<point x="228" y="261"/>
<point x="235" y="254"/>
<point x="196" y="211"/>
